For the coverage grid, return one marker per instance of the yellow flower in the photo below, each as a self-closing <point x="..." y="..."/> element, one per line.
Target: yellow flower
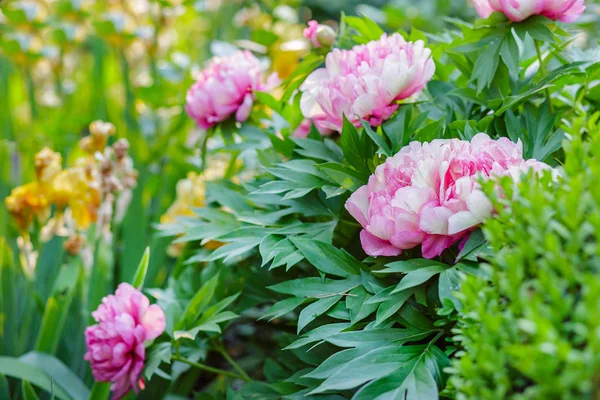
<point x="73" y="188"/>
<point x="26" y="202"/>
<point x="191" y="192"/>
<point x="100" y="131"/>
<point x="48" y="164"/>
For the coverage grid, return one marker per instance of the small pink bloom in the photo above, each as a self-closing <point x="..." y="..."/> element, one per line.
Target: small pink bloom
<point x="366" y="82"/>
<point x="311" y="33"/>
<point x="428" y="193"/>
<point x="226" y="88"/>
<point x="115" y="345"/>
<point x="519" y="10"/>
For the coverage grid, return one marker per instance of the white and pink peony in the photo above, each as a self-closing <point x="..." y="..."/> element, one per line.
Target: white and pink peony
<point x="366" y="82"/>
<point x="519" y="10"/>
<point x="225" y="88"/>
<point x="428" y="193"/>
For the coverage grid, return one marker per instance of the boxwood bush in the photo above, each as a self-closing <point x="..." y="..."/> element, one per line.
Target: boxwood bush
<point x="534" y="331"/>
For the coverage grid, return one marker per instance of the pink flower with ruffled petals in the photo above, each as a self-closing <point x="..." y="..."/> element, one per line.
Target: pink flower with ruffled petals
<point x="519" y="10"/>
<point x="428" y="193"/>
<point x="366" y="82"/>
<point x="226" y="88"/>
<point x="116" y="350"/>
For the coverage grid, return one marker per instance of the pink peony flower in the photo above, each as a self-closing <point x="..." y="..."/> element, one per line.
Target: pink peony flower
<point x="518" y="10"/>
<point x="428" y="194"/>
<point x="115" y="345"/>
<point x="226" y="87"/>
<point x="366" y="82"/>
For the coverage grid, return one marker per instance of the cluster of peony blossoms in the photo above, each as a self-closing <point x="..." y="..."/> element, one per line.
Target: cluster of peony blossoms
<point x="116" y="344"/>
<point x="226" y="88"/>
<point x="366" y="82"/>
<point x="519" y="10"/>
<point x="428" y="193"/>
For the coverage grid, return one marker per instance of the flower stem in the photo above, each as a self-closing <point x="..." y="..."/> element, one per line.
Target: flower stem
<point x="204" y="148"/>
<point x="544" y="72"/>
<point x="235" y="365"/>
<point x="33" y="108"/>
<point x="207" y="368"/>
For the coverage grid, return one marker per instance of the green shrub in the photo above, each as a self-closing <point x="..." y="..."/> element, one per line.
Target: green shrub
<point x="533" y="330"/>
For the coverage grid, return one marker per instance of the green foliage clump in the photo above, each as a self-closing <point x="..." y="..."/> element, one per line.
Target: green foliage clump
<point x="531" y="331"/>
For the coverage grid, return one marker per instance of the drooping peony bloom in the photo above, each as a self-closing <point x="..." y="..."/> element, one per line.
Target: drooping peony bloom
<point x="115" y="345"/>
<point x="366" y="82"/>
<point x="519" y="10"/>
<point x="428" y="194"/>
<point x="226" y="88"/>
<point x="319" y="35"/>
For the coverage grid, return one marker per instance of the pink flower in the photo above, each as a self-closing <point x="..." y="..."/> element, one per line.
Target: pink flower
<point x="428" y="194"/>
<point x="115" y="345"/>
<point x="519" y="10"/>
<point x="366" y="82"/>
<point x="226" y="87"/>
<point x="311" y="33"/>
<point x="319" y="35"/>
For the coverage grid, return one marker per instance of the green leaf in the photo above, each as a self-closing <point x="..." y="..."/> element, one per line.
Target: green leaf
<point x="418" y="277"/>
<point x="391" y="306"/>
<point x="60" y="373"/>
<point x="282" y="308"/>
<point x="15" y="368"/>
<point x="449" y="283"/>
<point x="316" y="287"/>
<point x="140" y="273"/>
<point x="353" y="149"/>
<point x="10" y="320"/>
<point x="100" y="391"/>
<point x="357" y="306"/>
<point x="406" y="266"/>
<point x="157" y="354"/>
<point x="4" y="389"/>
<point x="475" y="242"/>
<point x="486" y="65"/>
<point x="318" y="334"/>
<point x="314" y="310"/>
<point x="413" y="380"/>
<point x="199" y="302"/>
<point x="338" y="360"/>
<point x="356" y="338"/>
<point x="326" y="150"/>
<point x="509" y="52"/>
<point x="28" y="391"/>
<point x="57" y="307"/>
<point x="377" y="139"/>
<point x="327" y="258"/>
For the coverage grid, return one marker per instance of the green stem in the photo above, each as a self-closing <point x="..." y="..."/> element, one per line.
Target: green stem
<point x="231" y="167"/>
<point x="31" y="93"/>
<point x="544" y="72"/>
<point x="231" y="361"/>
<point x="208" y="368"/>
<point x="129" y="95"/>
<point x="204" y="148"/>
